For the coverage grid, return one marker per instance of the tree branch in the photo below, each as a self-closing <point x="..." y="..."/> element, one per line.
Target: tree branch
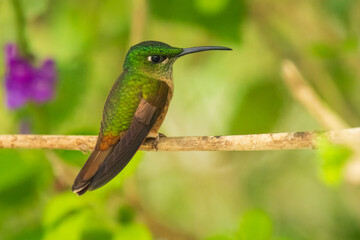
<point x="304" y="93"/>
<point x="256" y="142"/>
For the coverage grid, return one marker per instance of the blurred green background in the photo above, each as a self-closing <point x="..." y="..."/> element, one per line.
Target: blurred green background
<point x="186" y="195"/>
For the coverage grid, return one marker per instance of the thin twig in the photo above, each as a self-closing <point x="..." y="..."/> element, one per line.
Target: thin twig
<point x="138" y="21"/>
<point x="256" y="142"/>
<point x="303" y="92"/>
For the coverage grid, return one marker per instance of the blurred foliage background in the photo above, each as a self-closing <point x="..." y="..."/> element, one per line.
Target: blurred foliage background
<point x="186" y="195"/>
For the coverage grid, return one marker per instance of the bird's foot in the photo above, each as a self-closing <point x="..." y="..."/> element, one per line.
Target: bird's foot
<point x="156" y="140"/>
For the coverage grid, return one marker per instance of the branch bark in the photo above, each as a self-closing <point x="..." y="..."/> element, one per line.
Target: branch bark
<point x="255" y="142"/>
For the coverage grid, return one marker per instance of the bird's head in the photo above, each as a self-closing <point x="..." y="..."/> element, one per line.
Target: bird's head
<point x="155" y="59"/>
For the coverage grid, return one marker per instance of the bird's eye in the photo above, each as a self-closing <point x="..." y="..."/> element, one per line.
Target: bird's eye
<point x="156" y="58"/>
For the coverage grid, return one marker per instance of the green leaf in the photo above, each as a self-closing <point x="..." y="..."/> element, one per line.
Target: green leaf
<point x="255" y="225"/>
<point x="332" y="161"/>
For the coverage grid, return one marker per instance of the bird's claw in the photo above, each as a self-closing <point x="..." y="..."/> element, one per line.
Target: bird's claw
<point x="161" y="135"/>
<point x="156" y="140"/>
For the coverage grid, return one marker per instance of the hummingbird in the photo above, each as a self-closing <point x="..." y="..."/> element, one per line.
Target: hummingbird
<point x="134" y="110"/>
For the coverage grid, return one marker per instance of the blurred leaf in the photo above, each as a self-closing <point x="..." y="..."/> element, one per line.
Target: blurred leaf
<point x="341" y="75"/>
<point x="96" y="234"/>
<point x="332" y="161"/>
<point x="255" y="225"/>
<point x="258" y="109"/>
<point x="206" y="14"/>
<point x="63" y="206"/>
<point x="351" y="44"/>
<point x="16" y="168"/>
<point x="211" y="7"/>
<point x="70" y="228"/>
<point x="22" y="192"/>
<point x="347" y="222"/>
<point x="30" y="234"/>
<point x="126" y="215"/>
<point x="323" y="50"/>
<point x="66" y="216"/>
<point x="341" y="9"/>
<point x="23" y="173"/>
<point x="134" y="231"/>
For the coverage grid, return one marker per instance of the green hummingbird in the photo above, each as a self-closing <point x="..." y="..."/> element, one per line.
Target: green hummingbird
<point x="134" y="110"/>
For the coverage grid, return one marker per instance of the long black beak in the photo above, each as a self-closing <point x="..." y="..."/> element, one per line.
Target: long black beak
<point x="200" y="49"/>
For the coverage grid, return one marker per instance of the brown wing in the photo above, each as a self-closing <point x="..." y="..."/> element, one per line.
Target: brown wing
<point x="105" y="165"/>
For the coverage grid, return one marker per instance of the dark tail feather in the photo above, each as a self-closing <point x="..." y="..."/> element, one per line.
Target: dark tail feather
<point x="86" y="174"/>
<point x="123" y="152"/>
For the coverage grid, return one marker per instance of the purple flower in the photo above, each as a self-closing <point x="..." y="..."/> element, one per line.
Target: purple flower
<point x="25" y="82"/>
